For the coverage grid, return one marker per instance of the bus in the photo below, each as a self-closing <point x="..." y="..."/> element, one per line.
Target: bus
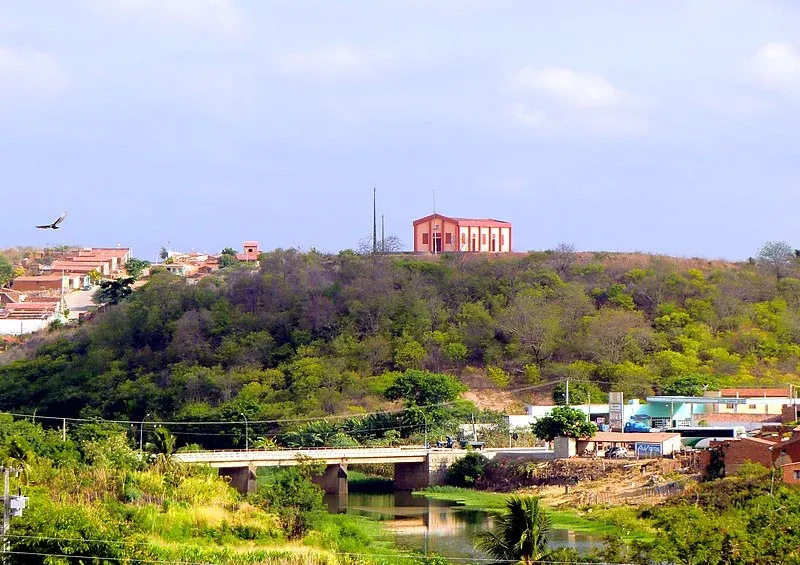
<point x="700" y="437"/>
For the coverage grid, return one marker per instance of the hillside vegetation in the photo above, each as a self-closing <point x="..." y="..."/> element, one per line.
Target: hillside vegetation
<point x="308" y="334"/>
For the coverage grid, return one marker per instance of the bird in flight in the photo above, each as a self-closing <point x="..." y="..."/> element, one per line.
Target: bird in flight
<point x="54" y="225"/>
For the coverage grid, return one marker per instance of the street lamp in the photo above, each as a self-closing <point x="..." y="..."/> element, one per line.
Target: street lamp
<point x="141" y="432"/>
<point x="246" y="436"/>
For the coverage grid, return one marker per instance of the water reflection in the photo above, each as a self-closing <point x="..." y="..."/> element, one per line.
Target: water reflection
<point x="435" y="526"/>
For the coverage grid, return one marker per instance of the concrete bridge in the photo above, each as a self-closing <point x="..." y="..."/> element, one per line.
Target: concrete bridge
<point x="414" y="467"/>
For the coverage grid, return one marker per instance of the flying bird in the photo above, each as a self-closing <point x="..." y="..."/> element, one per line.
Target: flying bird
<point x="54" y="225"/>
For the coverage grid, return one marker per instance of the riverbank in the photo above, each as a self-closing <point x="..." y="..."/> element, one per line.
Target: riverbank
<point x="619" y="521"/>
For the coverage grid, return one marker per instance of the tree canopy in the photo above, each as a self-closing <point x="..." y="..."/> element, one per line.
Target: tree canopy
<point x="563" y="421"/>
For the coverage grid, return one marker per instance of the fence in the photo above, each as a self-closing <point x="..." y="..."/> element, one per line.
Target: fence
<point x="646" y="493"/>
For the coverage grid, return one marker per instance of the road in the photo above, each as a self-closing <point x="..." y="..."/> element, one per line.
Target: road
<point x="79" y="301"/>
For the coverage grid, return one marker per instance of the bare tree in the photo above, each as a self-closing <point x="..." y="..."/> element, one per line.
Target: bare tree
<point x="777" y="257"/>
<point x="535" y="323"/>
<point x="389" y="244"/>
<point x="563" y="257"/>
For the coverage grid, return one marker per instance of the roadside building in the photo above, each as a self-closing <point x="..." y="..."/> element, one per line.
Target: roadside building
<point x="440" y="234"/>
<point x="43" y="283"/>
<point x="641" y="445"/>
<point x="28" y="317"/>
<point x="764" y="451"/>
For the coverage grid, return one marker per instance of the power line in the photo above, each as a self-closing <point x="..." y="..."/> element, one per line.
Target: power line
<point x="278" y="420"/>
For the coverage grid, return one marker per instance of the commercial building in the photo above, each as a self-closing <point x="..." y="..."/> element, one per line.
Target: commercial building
<point x="442" y="234"/>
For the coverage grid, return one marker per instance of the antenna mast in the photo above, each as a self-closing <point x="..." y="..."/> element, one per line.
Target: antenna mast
<point x="374" y="223"/>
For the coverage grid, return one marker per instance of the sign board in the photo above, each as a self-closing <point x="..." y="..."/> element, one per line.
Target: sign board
<point x="615" y="411"/>
<point x="647" y="450"/>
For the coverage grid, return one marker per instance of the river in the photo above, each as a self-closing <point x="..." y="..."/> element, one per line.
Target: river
<point x="434" y="526"/>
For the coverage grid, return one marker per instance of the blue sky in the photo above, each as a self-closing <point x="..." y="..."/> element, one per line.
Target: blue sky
<point x="668" y="127"/>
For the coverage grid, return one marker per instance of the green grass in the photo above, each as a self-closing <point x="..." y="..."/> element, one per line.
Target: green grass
<point x="621" y="521"/>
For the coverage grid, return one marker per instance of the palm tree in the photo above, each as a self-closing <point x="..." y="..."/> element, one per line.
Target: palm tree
<point x="519" y="533"/>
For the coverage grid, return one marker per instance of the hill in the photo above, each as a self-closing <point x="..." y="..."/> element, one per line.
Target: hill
<point x="308" y="334"/>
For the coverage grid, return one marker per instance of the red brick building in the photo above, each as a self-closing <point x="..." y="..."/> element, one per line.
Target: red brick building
<point x="442" y="234"/>
<point x="759" y="450"/>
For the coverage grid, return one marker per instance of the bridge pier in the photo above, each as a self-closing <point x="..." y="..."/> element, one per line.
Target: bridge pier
<point x="242" y="479"/>
<point x="334" y="479"/>
<point x="431" y="472"/>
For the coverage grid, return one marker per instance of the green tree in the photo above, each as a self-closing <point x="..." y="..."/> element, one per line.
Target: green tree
<point x="113" y="292"/>
<point x="687" y="385"/>
<point x="579" y="393"/>
<point x="519" y="534"/>
<point x="563" y="421"/>
<point x="228" y="257"/>
<point x="466" y="471"/>
<point x="134" y="267"/>
<point x="291" y="494"/>
<point x="777" y="257"/>
<point x="6" y="271"/>
<point x="422" y="388"/>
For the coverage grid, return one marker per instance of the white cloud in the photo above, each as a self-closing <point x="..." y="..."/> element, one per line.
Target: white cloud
<point x="333" y="63"/>
<point x="585" y="90"/>
<point x="776" y="67"/>
<point x="562" y="100"/>
<point x="208" y="16"/>
<point x="25" y="72"/>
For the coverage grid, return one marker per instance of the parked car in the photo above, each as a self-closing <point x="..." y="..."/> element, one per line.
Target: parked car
<point x="634" y="426"/>
<point x="617" y="452"/>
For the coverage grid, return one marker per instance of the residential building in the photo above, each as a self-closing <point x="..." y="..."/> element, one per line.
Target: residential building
<point x="180" y="269"/>
<point x="8" y="296"/>
<point x="441" y="234"/>
<point x="765" y="451"/>
<point x="51" y="283"/>
<point x="250" y="253"/>
<point x="28" y="317"/>
<point x="791" y="473"/>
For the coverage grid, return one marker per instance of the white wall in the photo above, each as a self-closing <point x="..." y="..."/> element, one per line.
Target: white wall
<point x="19" y="327"/>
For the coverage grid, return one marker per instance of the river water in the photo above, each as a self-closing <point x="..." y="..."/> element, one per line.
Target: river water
<point x="434" y="526"/>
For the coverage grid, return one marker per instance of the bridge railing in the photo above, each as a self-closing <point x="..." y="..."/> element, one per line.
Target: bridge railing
<point x="344" y="452"/>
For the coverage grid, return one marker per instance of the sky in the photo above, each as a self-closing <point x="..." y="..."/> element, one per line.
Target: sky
<point x="614" y="125"/>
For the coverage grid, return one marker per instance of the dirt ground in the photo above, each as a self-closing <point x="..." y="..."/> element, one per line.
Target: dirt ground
<point x="615" y="482"/>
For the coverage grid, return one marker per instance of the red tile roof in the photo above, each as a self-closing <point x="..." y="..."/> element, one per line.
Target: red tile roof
<point x="50" y="306"/>
<point x="477" y="222"/>
<point x="755" y="392"/>
<point x="38" y="279"/>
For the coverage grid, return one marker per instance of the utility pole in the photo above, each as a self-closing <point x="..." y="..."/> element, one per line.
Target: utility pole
<point x="64" y="430"/>
<point x="246" y="433"/>
<point x="6" y="516"/>
<point x="141" y="432"/>
<point x="383" y="239"/>
<point x="566" y="395"/>
<point x="12" y="506"/>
